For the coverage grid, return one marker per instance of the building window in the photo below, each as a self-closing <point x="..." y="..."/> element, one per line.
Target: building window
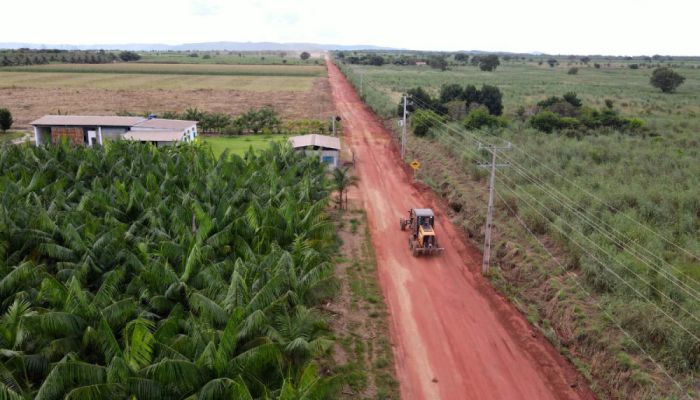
<point x="329" y="160"/>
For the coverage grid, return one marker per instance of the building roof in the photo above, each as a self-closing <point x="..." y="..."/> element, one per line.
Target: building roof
<point x="328" y="142"/>
<point x="110" y="120"/>
<point x="424" y="212"/>
<point x="86" y="120"/>
<point x="158" y="123"/>
<point x="154" y="136"/>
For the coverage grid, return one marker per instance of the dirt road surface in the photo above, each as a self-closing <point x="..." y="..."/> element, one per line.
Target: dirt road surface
<point x="454" y="337"/>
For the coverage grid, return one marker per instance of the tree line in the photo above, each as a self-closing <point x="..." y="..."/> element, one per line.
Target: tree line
<point x="21" y="57"/>
<point x="264" y="120"/>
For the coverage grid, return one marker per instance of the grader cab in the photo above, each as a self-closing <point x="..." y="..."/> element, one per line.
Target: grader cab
<point x="421" y="224"/>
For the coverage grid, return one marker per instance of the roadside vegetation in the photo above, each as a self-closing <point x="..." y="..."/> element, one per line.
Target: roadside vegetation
<point x="603" y="171"/>
<point x="134" y="271"/>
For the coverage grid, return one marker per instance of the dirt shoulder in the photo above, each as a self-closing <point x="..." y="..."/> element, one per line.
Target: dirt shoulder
<point x="363" y="350"/>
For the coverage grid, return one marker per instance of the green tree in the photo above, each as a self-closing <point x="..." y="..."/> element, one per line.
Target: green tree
<point x="264" y="119"/>
<point x="129" y="56"/>
<point x="342" y="180"/>
<point x="449" y="92"/>
<point x="492" y="98"/>
<point x="6" y="120"/>
<point x="489" y="62"/>
<point x="462" y="57"/>
<point x="470" y="94"/>
<point x="305" y="55"/>
<point x="666" y="79"/>
<point x="438" y="63"/>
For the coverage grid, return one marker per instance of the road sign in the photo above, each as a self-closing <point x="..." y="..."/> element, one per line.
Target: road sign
<point x="415" y="164"/>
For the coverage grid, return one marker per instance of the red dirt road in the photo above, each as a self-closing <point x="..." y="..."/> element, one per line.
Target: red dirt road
<point x="454" y="337"/>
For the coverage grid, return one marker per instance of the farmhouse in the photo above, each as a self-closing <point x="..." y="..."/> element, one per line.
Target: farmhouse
<point x="327" y="148"/>
<point x="92" y="130"/>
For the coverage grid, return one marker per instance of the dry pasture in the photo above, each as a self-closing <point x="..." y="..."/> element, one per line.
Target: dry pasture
<point x="30" y="95"/>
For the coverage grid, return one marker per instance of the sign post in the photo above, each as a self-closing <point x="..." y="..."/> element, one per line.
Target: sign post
<point x="415" y="164"/>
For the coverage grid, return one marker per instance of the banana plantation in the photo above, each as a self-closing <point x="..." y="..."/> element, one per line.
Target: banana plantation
<point x="134" y="272"/>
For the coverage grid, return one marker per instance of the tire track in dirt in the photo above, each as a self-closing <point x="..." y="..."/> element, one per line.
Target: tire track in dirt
<point x="454" y="337"/>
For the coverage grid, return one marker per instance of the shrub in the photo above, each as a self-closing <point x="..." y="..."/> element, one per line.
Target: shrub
<point x="450" y="92"/>
<point x="5" y="119"/>
<point x="129" y="56"/>
<point x="418" y="98"/>
<point x="481" y="118"/>
<point x="491" y="97"/>
<point x="633" y="66"/>
<point x="305" y="126"/>
<point x="489" y="63"/>
<point x="376" y="60"/>
<point x="470" y="94"/>
<point x="423" y="120"/>
<point x="572" y="71"/>
<point x="461" y="57"/>
<point x="304" y="55"/>
<point x="207" y="56"/>
<point x="572" y="99"/>
<point x="438" y="63"/>
<point x="666" y="79"/>
<point x="545" y="121"/>
<point x="552" y="62"/>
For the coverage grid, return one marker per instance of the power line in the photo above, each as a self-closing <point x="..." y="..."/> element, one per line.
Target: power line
<point x="591" y="221"/>
<point x="664" y="273"/>
<point x="603" y="310"/>
<point x="612" y="258"/>
<point x="639" y="256"/>
<point x="696" y="257"/>
<point x="473" y="137"/>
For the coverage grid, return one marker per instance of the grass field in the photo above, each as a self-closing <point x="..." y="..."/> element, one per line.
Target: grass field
<point x="526" y="84"/>
<point x="177" y="69"/>
<point x="226" y="57"/>
<point x="240" y="144"/>
<point x="624" y="248"/>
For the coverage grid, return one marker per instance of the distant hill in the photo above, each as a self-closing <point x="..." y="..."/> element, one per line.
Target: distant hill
<point x="206" y="46"/>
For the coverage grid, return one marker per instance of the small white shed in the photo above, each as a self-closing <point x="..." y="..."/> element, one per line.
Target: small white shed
<point x="327" y="148"/>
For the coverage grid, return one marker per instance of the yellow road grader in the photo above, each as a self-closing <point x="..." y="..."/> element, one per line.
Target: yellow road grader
<point x="421" y="224"/>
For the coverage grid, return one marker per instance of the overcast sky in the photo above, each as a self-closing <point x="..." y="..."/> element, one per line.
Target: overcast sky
<point x="619" y="27"/>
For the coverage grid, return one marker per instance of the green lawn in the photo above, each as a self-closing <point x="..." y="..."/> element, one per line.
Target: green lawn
<point x="240" y="144"/>
<point x="9" y="136"/>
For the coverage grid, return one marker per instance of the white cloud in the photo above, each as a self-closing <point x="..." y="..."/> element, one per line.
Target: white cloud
<point x="553" y="26"/>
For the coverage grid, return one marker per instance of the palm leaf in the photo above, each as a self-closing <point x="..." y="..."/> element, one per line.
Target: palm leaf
<point x="67" y="375"/>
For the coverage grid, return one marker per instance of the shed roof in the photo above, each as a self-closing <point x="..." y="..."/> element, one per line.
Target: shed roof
<point x="86" y="120"/>
<point x="328" y="142"/>
<point x="154" y="136"/>
<point x="111" y="120"/>
<point x="159" y="123"/>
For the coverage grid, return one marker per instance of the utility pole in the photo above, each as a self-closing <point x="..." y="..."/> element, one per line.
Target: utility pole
<point x="489" y="212"/>
<point x="403" y="132"/>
